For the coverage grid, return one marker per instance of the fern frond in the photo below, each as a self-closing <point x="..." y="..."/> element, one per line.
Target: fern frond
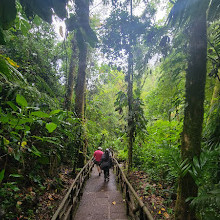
<point x="214" y="10"/>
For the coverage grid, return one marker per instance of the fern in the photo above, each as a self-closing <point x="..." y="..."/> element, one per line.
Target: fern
<point x="208" y="204"/>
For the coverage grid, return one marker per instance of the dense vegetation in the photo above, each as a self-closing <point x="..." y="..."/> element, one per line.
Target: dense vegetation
<point x="147" y="88"/>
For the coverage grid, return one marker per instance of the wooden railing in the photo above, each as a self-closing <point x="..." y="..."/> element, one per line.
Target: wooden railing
<point x="70" y="202"/>
<point x="135" y="208"/>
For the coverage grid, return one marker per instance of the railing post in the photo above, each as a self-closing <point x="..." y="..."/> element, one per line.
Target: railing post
<point x="71" y="203"/>
<point x="117" y="171"/>
<point x="127" y="199"/>
<point x="141" y="213"/>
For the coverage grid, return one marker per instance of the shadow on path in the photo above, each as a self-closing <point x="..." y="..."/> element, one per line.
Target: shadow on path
<point x="101" y="200"/>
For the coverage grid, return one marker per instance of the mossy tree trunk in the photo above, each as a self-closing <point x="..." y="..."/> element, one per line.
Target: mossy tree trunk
<point x="72" y="75"/>
<point x="193" y="115"/>
<point x="82" y="11"/>
<point x="131" y="125"/>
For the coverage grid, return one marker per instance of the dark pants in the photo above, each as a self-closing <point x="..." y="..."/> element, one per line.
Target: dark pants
<point x="106" y="173"/>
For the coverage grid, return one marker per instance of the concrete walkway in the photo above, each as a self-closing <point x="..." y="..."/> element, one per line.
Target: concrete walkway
<point x="101" y="200"/>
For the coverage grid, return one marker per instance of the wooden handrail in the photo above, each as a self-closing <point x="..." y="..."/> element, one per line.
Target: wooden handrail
<point x="68" y="205"/>
<point x="134" y="206"/>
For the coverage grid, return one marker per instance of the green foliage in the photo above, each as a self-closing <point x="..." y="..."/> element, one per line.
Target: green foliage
<point x="214" y="10"/>
<point x="118" y="28"/>
<point x="2" y="173"/>
<point x="34" y="141"/>
<point x="33" y="47"/>
<point x="214" y="49"/>
<point x="21" y="100"/>
<point x="122" y="155"/>
<point x="42" y="8"/>
<point x="36" y="135"/>
<point x="51" y="127"/>
<point x="7" y="13"/>
<point x="204" y="171"/>
<point x="158" y="154"/>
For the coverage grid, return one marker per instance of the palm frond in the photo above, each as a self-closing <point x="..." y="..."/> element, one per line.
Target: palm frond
<point x="184" y="10"/>
<point x="214" y="10"/>
<point x="207" y="203"/>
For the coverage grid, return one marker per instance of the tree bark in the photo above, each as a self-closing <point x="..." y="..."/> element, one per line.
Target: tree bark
<point x="82" y="11"/>
<point x="80" y="82"/>
<point x="193" y="114"/>
<point x="130" y="112"/>
<point x="71" y="76"/>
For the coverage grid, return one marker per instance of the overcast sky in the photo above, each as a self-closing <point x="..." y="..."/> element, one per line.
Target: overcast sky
<point x="104" y="12"/>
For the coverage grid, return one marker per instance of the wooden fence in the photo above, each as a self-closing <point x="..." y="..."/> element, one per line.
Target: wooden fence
<point x="135" y="208"/>
<point x="67" y="208"/>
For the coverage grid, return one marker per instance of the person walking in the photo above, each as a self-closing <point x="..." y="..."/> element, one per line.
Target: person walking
<point x="106" y="164"/>
<point x="97" y="159"/>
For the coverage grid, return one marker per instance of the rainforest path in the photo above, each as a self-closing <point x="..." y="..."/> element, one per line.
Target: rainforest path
<point x="101" y="200"/>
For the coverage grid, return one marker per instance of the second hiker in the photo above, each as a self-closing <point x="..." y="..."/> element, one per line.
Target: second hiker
<point x="106" y="164"/>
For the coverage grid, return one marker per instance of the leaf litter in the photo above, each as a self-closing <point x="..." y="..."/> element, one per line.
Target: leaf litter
<point x="158" y="197"/>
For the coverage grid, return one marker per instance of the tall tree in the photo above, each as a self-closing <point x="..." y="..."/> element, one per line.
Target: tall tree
<point x="195" y="89"/>
<point x="85" y="36"/>
<point x="120" y="38"/>
<point x="131" y="126"/>
<point x="82" y="13"/>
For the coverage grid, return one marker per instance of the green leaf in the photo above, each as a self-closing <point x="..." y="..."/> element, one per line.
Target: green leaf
<point x="35" y="151"/>
<point x="16" y="175"/>
<point x="216" y="191"/>
<point x="4" y="67"/>
<point x="40" y="114"/>
<point x="196" y="164"/>
<point x="21" y="100"/>
<point x="19" y="127"/>
<point x="55" y="112"/>
<point x="2" y="174"/>
<point x="14" y="188"/>
<point x="15" y="134"/>
<point x="4" y="119"/>
<point x="38" y="138"/>
<point x="17" y="155"/>
<point x="12" y="105"/>
<point x="51" y="127"/>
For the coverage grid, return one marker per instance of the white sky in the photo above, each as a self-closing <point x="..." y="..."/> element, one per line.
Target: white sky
<point x="104" y="12"/>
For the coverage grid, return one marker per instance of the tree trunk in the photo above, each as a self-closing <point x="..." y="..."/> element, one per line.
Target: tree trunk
<point x="72" y="73"/>
<point x="82" y="11"/>
<point x="193" y="114"/>
<point x="130" y="111"/>
<point x="131" y="125"/>
<point x="80" y="82"/>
